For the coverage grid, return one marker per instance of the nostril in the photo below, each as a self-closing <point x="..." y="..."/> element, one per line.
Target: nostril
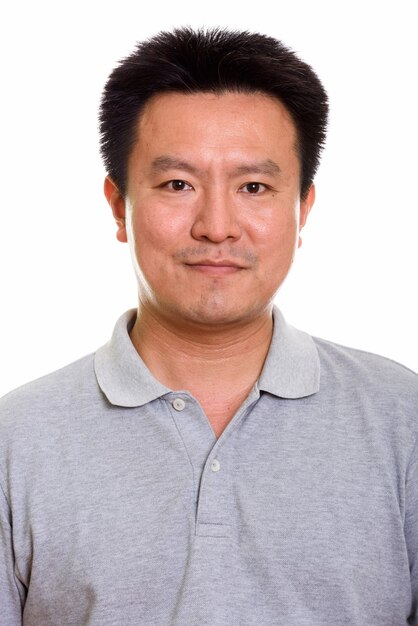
<point x="216" y="228"/>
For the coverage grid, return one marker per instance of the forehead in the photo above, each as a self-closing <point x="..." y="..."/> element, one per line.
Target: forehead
<point x="215" y="127"/>
<point x="218" y="109"/>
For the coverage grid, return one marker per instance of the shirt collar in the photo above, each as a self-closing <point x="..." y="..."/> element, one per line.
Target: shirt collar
<point x="291" y="368"/>
<point x="121" y="373"/>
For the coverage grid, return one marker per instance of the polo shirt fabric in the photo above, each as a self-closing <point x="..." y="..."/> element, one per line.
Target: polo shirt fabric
<point x="119" y="507"/>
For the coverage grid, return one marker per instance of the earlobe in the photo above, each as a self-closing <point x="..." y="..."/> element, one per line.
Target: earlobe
<point x="305" y="208"/>
<point x="117" y="203"/>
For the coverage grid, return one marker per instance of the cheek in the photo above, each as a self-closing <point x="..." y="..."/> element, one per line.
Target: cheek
<point x="276" y="231"/>
<point x="158" y="228"/>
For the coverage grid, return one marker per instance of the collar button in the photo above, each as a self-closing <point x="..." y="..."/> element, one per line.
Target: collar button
<point x="178" y="404"/>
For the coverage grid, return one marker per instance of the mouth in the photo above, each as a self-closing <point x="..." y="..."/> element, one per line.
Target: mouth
<point x="215" y="268"/>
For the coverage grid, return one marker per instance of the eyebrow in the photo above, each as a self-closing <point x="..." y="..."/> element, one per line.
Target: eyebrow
<point x="166" y="162"/>
<point x="266" y="166"/>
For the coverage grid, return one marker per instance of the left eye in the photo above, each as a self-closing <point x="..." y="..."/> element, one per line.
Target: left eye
<point x="178" y="185"/>
<point x="253" y="188"/>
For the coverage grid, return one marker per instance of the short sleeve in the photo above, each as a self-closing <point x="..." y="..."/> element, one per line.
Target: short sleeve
<point x="10" y="599"/>
<point x="411" y="530"/>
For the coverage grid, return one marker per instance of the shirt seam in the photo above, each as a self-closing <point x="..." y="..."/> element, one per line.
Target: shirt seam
<point x="3" y="478"/>
<point x="168" y="411"/>
<point x="411" y="462"/>
<point x="16" y="568"/>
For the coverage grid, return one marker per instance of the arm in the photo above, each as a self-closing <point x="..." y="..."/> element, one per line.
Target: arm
<point x="411" y="531"/>
<point x="10" y="588"/>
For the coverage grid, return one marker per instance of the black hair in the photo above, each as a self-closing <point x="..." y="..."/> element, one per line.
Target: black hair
<point x="217" y="61"/>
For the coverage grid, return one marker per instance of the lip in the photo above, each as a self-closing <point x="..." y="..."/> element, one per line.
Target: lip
<point x="218" y="263"/>
<point x="209" y="266"/>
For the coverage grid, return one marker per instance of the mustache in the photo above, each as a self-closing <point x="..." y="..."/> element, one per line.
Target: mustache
<point x="191" y="252"/>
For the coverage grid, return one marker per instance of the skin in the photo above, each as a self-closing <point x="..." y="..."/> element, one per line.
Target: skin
<point x="213" y="216"/>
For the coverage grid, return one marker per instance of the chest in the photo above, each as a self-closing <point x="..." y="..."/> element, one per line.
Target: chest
<point x="293" y="511"/>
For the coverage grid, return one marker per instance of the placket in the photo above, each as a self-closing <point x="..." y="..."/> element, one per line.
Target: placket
<point x="195" y="431"/>
<point x="211" y="461"/>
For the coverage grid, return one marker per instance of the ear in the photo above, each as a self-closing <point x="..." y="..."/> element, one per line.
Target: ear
<point x="305" y="206"/>
<point x="117" y="204"/>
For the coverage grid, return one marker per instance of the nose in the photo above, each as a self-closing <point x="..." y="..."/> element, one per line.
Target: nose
<point x="216" y="219"/>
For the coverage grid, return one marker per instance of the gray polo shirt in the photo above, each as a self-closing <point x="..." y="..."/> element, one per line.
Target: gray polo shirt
<point x="120" y="507"/>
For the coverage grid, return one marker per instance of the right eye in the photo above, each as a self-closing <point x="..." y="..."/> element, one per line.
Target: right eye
<point x="178" y="185"/>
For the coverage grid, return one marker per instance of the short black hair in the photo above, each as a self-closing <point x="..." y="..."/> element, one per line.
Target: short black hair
<point x="213" y="60"/>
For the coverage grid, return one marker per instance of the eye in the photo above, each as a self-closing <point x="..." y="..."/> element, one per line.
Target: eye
<point x="177" y="185"/>
<point x="253" y="188"/>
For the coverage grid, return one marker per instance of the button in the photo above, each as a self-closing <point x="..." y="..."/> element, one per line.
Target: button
<point x="216" y="466"/>
<point x="179" y="404"/>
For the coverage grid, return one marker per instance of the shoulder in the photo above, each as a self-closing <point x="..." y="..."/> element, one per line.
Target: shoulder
<point x="49" y="396"/>
<point x="362" y="370"/>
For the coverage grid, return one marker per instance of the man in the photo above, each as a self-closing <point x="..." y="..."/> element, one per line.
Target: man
<point x="211" y="464"/>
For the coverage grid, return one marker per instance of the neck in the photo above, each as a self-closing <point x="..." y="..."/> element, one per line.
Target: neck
<point x="165" y="347"/>
<point x="208" y="361"/>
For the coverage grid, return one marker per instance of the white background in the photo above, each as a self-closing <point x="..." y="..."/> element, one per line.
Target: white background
<point x="65" y="279"/>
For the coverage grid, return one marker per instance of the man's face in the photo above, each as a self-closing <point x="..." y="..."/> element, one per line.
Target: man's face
<point x="212" y="209"/>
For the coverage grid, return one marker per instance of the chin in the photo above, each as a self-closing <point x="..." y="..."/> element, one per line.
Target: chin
<point x="211" y="314"/>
